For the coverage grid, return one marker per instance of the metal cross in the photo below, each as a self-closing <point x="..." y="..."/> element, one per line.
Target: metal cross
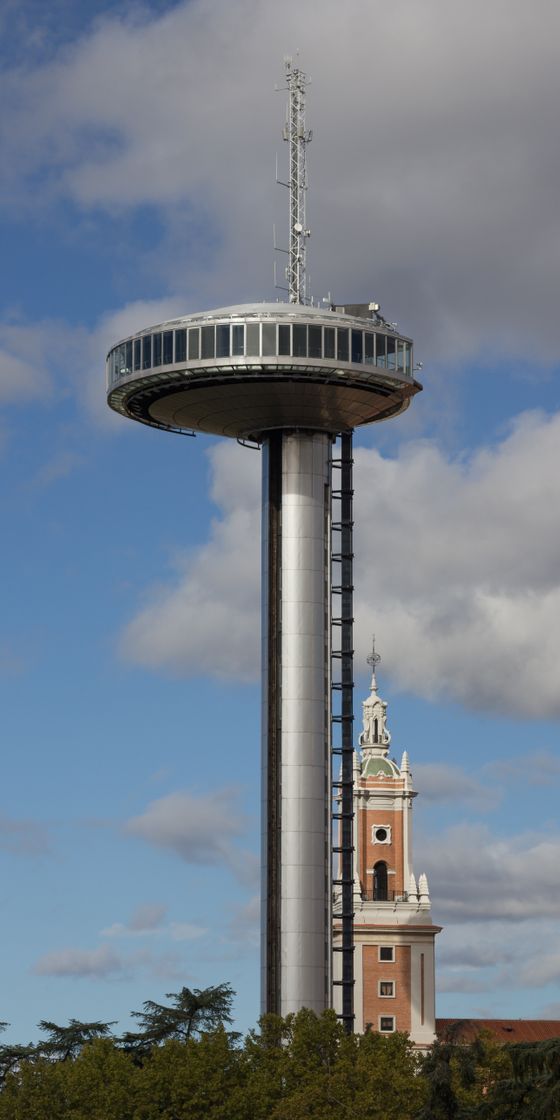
<point x="374" y="658"/>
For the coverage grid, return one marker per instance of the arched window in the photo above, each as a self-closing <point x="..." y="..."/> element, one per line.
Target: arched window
<point x="380" y="882"/>
<point x="375" y="731"/>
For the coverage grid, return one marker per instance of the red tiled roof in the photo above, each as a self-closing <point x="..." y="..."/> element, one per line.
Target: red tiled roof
<point x="504" y="1030"/>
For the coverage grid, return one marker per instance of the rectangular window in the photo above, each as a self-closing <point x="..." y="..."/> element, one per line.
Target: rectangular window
<point x="137" y="353"/>
<point x="386" y="952"/>
<point x="253" y="339"/>
<point x="407" y="357"/>
<point x="237" y="339"/>
<point x="342" y="344"/>
<point x="116" y="360"/>
<point x="386" y="1022"/>
<point x="180" y="345"/>
<point x="300" y="340"/>
<point x="380" y="351"/>
<point x="387" y="989"/>
<point x="269" y="339"/>
<point x="147" y="351"/>
<point x="167" y="347"/>
<point x="315" y="342"/>
<point x="284" y="340"/>
<point x="128" y="356"/>
<point x="368" y="348"/>
<point x="329" y="342"/>
<point x="207" y="342"/>
<point x="156" y="355"/>
<point x="194" y="343"/>
<point x="391" y="353"/>
<point x="222" y="342"/>
<point x="357" y="346"/>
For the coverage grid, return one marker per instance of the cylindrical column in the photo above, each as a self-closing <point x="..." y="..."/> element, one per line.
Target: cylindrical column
<point x="296" y="757"/>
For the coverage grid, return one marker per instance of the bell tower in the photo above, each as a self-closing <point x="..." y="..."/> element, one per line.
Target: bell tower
<point x="393" y="931"/>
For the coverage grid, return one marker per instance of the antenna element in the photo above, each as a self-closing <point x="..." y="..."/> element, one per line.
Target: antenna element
<point x="298" y="138"/>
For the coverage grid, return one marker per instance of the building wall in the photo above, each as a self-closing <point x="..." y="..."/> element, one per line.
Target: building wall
<point x="398" y="972"/>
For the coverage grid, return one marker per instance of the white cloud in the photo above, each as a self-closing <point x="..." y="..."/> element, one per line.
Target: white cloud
<point x="146" y="917"/>
<point x="534" y="768"/>
<point x="244" y="926"/>
<point x="185" y="931"/>
<point x="447" y="185"/>
<point x="100" y="962"/>
<point x="23" y="837"/>
<point x="208" y="621"/>
<point x="443" y="782"/>
<point x="23" y="365"/>
<point x="540" y="970"/>
<point x="476" y="876"/>
<point x="457" y="570"/>
<point x="104" y="963"/>
<point x="145" y="920"/>
<point x="200" y="829"/>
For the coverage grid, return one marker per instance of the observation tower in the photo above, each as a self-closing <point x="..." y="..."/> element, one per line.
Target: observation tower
<point x="294" y="379"/>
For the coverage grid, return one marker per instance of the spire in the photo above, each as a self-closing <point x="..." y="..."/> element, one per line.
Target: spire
<point x="375" y="736"/>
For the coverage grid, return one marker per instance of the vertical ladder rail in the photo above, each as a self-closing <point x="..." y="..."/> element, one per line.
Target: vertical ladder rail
<point x="342" y="709"/>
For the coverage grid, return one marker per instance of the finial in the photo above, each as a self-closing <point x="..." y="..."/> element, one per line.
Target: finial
<point x="374" y="658"/>
<point x="375" y="734"/>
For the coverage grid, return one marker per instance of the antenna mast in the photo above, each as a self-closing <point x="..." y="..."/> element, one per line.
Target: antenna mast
<point x="298" y="138"/>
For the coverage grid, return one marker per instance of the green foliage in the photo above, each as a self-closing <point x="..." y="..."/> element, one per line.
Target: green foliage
<point x="185" y="1065"/>
<point x="191" y="1011"/>
<point x="306" y="1066"/>
<point x="63" y="1043"/>
<point x="532" y="1089"/>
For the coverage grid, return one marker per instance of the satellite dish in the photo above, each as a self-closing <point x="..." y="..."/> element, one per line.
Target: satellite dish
<point x="298" y="228"/>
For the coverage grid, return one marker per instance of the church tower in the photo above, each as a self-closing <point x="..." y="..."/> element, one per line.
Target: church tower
<point x="393" y="931"/>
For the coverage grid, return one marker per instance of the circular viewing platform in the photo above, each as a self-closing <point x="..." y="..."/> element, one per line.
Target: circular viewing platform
<point x="243" y="371"/>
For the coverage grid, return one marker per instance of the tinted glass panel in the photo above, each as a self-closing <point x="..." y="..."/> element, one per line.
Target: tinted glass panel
<point x="138" y="353"/>
<point x="380" y="350"/>
<point x="407" y="357"/>
<point x="237" y="339"/>
<point x="300" y="341"/>
<point x="329" y="342"/>
<point x="253" y="344"/>
<point x="391" y="352"/>
<point x="368" y="348"/>
<point x="156" y="354"/>
<point x="269" y="339"/>
<point x="342" y="345"/>
<point x="357" y="346"/>
<point x="194" y="343"/>
<point x="128" y="356"/>
<point x="180" y="345"/>
<point x="222" y="342"/>
<point x="207" y="342"/>
<point x="314" y="342"/>
<point x="146" y="351"/>
<point x="284" y="339"/>
<point x="167" y="347"/>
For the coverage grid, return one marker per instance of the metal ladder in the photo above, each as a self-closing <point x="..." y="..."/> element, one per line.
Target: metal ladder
<point x="342" y="715"/>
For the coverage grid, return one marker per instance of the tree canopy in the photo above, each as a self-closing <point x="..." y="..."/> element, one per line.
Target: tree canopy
<point x="184" y="1064"/>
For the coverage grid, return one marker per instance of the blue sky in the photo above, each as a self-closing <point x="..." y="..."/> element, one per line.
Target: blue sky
<point x="137" y="181"/>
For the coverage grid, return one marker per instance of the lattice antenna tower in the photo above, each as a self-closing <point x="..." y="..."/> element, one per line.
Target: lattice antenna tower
<point x="298" y="137"/>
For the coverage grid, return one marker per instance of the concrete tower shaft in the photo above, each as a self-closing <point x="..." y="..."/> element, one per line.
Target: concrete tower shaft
<point x="296" y="955"/>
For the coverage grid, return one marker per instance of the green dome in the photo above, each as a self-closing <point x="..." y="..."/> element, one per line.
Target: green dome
<point x="376" y="765"/>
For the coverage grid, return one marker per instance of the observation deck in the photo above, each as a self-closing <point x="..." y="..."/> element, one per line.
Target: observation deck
<point x="246" y="370"/>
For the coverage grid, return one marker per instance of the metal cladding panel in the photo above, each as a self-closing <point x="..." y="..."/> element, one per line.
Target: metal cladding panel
<point x="250" y="407"/>
<point x="300" y="698"/>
